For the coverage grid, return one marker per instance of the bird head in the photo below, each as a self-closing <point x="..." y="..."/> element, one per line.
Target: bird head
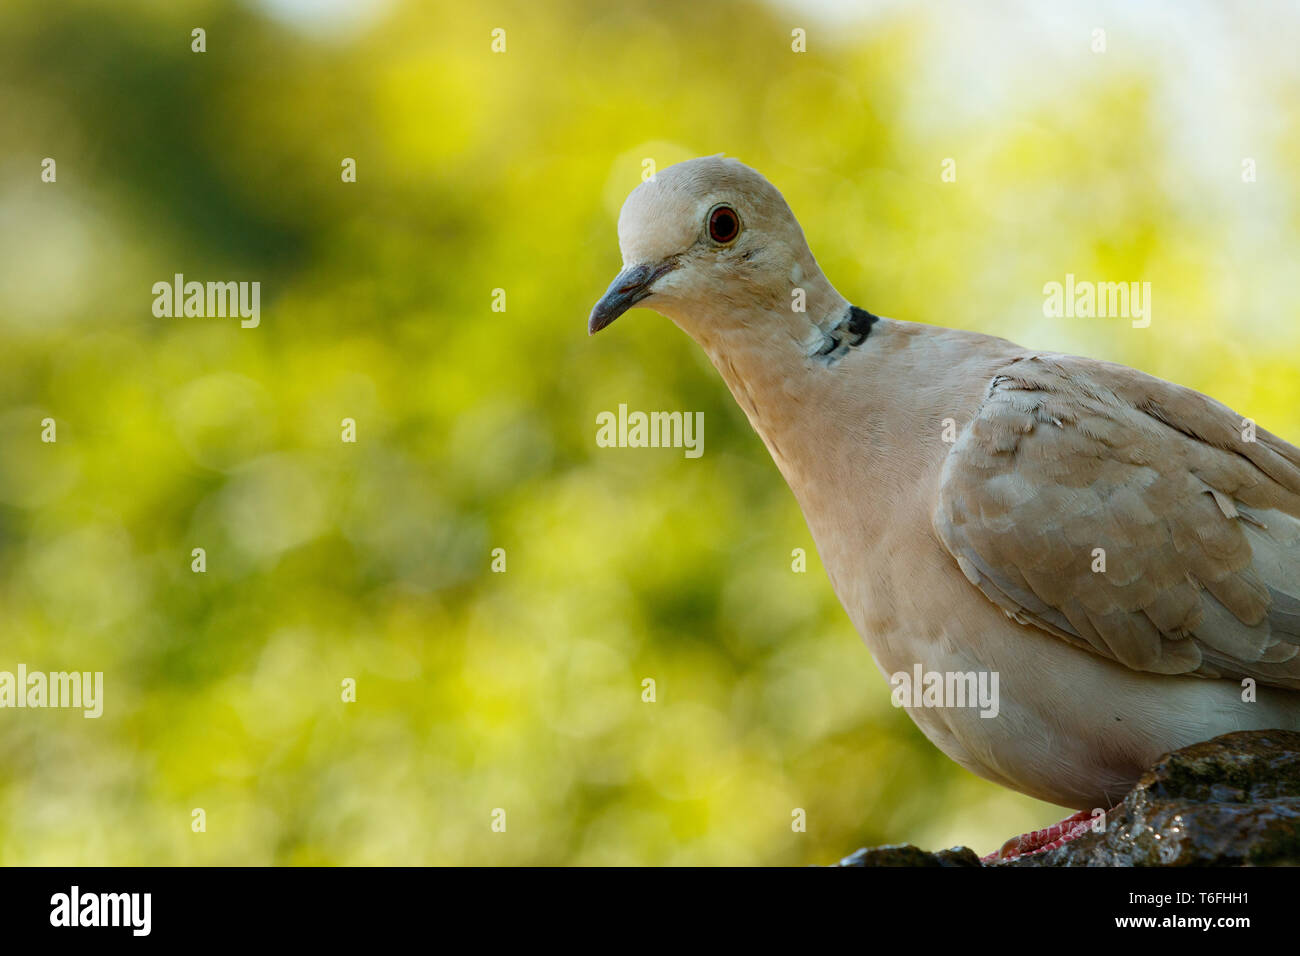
<point x="705" y="241"/>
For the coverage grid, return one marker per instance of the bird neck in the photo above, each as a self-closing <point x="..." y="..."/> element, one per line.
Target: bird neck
<point x="792" y="370"/>
<point x="853" y="417"/>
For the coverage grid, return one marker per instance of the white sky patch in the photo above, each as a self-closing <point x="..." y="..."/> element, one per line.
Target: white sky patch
<point x="1216" y="67"/>
<point x="325" y="17"/>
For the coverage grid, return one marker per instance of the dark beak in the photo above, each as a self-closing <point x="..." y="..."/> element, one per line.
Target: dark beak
<point x="628" y="288"/>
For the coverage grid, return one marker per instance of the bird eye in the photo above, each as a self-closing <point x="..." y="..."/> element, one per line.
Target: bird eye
<point x="724" y="224"/>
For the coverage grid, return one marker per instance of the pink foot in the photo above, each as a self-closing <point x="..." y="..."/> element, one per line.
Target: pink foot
<point x="1040" y="841"/>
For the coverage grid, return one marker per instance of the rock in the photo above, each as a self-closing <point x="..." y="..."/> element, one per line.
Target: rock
<point x="904" y="854"/>
<point x="1230" y="801"/>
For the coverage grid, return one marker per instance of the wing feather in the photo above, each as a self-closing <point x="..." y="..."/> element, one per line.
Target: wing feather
<point x="1131" y="517"/>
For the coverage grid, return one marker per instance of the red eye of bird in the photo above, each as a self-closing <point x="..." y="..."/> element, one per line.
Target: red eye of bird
<point x="724" y="224"/>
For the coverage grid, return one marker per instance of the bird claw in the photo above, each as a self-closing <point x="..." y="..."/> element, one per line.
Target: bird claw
<point x="1040" y="841"/>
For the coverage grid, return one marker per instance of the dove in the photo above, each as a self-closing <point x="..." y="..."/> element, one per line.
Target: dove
<point x="1120" y="552"/>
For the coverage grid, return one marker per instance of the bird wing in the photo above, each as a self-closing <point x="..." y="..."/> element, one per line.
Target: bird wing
<point x="1129" y="516"/>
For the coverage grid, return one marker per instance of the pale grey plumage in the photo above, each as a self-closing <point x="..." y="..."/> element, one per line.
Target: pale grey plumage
<point x="1131" y="517"/>
<point x="979" y="553"/>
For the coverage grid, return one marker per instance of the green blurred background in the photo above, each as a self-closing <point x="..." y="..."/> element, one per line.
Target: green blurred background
<point x="476" y="429"/>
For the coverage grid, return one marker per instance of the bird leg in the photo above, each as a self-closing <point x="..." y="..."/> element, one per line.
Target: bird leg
<point x="1040" y="841"/>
